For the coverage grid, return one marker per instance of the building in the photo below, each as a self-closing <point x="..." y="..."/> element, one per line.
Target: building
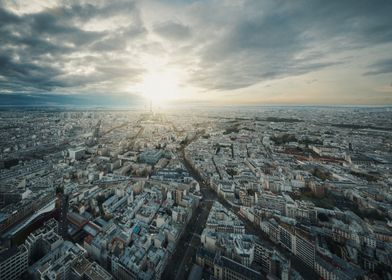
<point x="222" y="220"/>
<point x="43" y="240"/>
<point x="297" y="242"/>
<point x="225" y="268"/>
<point x="13" y="262"/>
<point x="128" y="265"/>
<point x="57" y="264"/>
<point x="151" y="157"/>
<point x="76" y="153"/>
<point x="305" y="249"/>
<point x="263" y="256"/>
<point x="84" y="269"/>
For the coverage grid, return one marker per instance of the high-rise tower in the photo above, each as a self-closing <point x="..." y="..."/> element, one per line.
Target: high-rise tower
<point x="63" y="222"/>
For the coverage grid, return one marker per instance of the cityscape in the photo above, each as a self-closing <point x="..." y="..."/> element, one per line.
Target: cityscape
<point x="195" y="140"/>
<point x="250" y="193"/>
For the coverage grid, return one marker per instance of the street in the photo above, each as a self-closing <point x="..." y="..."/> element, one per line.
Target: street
<point x="181" y="261"/>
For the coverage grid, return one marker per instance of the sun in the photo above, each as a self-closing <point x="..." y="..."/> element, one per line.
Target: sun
<point x="160" y="86"/>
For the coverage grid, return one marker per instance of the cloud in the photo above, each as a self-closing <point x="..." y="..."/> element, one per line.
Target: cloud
<point x="273" y="39"/>
<point x="218" y="45"/>
<point x="39" y="99"/>
<point x="54" y="49"/>
<point x="380" y="67"/>
<point x="173" y="30"/>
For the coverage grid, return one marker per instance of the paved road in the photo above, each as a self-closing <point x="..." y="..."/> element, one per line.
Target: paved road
<point x="181" y="261"/>
<point x="193" y="244"/>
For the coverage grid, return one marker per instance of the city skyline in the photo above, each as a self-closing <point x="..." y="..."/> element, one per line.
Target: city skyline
<point x="207" y="52"/>
<point x="244" y="193"/>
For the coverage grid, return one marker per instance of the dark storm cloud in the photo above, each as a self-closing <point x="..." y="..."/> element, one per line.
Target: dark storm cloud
<point x="7" y="17"/>
<point x="21" y="76"/>
<point x="172" y="30"/>
<point x="88" y="11"/>
<point x="51" y="25"/>
<point x="221" y="45"/>
<point x="36" y="48"/>
<point x="287" y="38"/>
<point x="380" y="67"/>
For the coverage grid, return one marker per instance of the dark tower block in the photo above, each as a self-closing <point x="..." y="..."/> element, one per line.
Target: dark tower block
<point x="63" y="204"/>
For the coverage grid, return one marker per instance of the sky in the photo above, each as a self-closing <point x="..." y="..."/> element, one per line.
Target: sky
<point x="216" y="52"/>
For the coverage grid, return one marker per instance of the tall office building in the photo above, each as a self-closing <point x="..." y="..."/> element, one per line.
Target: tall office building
<point x="63" y="198"/>
<point x="13" y="262"/>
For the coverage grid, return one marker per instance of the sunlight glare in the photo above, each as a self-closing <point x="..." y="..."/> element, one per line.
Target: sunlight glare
<point x="160" y="86"/>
